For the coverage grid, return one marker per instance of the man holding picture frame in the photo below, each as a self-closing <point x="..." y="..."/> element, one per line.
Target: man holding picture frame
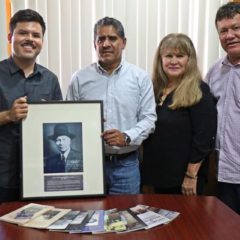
<point x="22" y="81"/>
<point x="129" y="105"/>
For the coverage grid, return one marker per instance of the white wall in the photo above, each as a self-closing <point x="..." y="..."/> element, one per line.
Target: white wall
<point x="69" y="39"/>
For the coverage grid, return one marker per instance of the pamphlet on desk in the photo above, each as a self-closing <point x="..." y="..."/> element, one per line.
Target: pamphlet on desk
<point x="171" y="215"/>
<point x="132" y="223"/>
<point x="64" y="221"/>
<point x="114" y="150"/>
<point x="26" y="213"/>
<point x="95" y="224"/>
<point x="113" y="222"/>
<point x="47" y="218"/>
<point x="135" y="218"/>
<point x="150" y="218"/>
<point x="79" y="221"/>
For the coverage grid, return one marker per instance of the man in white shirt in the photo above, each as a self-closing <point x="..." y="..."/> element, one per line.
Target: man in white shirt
<point x="129" y="105"/>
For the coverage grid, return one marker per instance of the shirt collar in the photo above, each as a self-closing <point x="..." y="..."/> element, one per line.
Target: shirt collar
<point x="66" y="153"/>
<point x="14" y="68"/>
<point x="226" y="61"/>
<point x="103" y="71"/>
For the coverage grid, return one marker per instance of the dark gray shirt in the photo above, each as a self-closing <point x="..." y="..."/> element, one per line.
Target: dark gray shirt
<point x="42" y="84"/>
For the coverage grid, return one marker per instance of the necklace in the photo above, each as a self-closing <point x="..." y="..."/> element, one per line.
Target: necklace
<point x="165" y="93"/>
<point x="162" y="99"/>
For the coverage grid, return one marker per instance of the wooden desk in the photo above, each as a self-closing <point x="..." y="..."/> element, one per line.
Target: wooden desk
<point x="201" y="218"/>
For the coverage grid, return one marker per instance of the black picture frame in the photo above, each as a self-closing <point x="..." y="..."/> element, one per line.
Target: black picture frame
<point x="43" y="132"/>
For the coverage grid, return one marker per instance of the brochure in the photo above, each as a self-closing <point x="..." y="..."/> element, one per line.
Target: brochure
<point x="95" y="224"/>
<point x="150" y="218"/>
<point x="132" y="223"/>
<point x="64" y="221"/>
<point x="25" y="214"/>
<point x="79" y="221"/>
<point x="47" y="218"/>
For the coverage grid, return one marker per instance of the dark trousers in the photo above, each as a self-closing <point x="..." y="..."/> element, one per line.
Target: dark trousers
<point x="9" y="194"/>
<point x="229" y="193"/>
<point x="171" y="190"/>
<point x="178" y="189"/>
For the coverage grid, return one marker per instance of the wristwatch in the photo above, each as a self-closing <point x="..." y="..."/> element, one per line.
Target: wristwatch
<point x="127" y="139"/>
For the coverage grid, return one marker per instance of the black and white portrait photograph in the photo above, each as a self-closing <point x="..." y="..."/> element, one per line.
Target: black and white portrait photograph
<point x="66" y="158"/>
<point x="62" y="147"/>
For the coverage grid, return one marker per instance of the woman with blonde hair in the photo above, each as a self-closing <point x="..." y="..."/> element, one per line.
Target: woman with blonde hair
<point x="174" y="154"/>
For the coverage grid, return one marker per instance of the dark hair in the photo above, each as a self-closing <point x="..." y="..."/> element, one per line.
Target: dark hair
<point x="107" y="21"/>
<point x="26" y="15"/>
<point x="228" y="10"/>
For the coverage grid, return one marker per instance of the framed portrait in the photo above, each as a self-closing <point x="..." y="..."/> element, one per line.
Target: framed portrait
<point x="62" y="150"/>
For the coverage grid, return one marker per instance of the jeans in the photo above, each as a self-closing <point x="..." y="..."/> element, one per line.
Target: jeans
<point x="123" y="176"/>
<point x="229" y="193"/>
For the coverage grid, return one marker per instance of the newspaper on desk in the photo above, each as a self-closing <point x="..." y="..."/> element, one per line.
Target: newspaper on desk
<point x="112" y="150"/>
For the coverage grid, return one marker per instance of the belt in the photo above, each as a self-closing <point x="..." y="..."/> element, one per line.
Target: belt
<point x="118" y="156"/>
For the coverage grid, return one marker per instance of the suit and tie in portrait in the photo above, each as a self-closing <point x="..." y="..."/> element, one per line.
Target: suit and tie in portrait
<point x="67" y="159"/>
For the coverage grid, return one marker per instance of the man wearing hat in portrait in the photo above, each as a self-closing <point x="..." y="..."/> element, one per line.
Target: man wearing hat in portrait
<point x="68" y="159"/>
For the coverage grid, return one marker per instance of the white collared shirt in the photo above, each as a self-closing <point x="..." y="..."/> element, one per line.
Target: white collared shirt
<point x="127" y="94"/>
<point x="65" y="154"/>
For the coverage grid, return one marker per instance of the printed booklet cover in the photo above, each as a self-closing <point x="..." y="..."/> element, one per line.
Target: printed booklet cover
<point x="47" y="218"/>
<point x="150" y="218"/>
<point x="26" y="213"/>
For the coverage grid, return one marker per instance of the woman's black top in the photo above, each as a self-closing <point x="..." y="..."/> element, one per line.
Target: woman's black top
<point x="182" y="136"/>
